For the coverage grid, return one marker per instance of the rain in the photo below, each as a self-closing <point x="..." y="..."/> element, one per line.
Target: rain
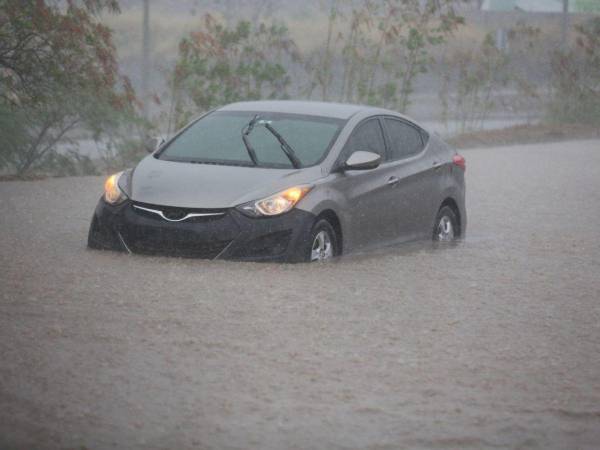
<point x="489" y="341"/>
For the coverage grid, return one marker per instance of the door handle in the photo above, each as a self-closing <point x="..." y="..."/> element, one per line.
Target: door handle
<point x="436" y="165"/>
<point x="393" y="181"/>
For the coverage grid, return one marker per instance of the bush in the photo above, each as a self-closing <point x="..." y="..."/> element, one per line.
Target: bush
<point x="58" y="75"/>
<point x="576" y="79"/>
<point x="221" y="64"/>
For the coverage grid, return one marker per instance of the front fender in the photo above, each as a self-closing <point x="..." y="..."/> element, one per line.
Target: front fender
<point x="325" y="198"/>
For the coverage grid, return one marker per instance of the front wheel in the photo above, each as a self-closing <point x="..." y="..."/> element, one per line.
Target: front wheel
<point x="323" y="242"/>
<point x="446" y="225"/>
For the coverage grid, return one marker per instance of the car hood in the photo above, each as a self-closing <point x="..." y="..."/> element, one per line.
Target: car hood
<point x="188" y="185"/>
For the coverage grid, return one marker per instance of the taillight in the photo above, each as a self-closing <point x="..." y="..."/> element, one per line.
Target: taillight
<point x="460" y="161"/>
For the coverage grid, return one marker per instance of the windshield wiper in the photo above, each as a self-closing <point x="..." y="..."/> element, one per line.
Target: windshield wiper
<point x="245" y="132"/>
<point x="289" y="151"/>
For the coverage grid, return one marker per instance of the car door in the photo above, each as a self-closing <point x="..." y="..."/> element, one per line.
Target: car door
<point x="414" y="167"/>
<point x="367" y="192"/>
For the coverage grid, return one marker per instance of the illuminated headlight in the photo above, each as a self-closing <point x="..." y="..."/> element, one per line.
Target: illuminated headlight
<point x="113" y="193"/>
<point x="276" y="204"/>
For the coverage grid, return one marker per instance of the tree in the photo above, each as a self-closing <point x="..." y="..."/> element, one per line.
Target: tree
<point x="320" y="65"/>
<point x="220" y="64"/>
<point x="470" y="80"/>
<point x="58" y="72"/>
<point x="576" y="78"/>
<point x="385" y="45"/>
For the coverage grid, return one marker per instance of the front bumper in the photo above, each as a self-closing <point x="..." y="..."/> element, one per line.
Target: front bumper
<point x="229" y="235"/>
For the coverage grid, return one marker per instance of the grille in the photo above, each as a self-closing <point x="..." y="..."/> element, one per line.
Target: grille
<point x="153" y="245"/>
<point x="194" y="237"/>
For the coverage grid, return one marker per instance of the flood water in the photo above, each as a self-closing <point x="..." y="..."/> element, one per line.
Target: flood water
<point x="491" y="342"/>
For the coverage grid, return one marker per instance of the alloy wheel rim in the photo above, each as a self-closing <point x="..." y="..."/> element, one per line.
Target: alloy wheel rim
<point x="322" y="247"/>
<point x="445" y="229"/>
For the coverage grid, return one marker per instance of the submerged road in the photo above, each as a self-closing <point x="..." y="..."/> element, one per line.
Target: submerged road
<point x="491" y="343"/>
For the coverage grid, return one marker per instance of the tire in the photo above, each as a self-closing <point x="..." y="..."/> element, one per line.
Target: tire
<point x="323" y="244"/>
<point x="446" y="228"/>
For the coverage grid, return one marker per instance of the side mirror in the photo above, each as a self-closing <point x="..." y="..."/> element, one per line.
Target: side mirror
<point x="154" y="143"/>
<point x="362" y="161"/>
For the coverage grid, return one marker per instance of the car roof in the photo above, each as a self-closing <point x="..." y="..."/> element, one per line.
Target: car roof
<point x="325" y="109"/>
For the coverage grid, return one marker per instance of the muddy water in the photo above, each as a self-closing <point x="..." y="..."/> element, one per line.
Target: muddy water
<point x="493" y="342"/>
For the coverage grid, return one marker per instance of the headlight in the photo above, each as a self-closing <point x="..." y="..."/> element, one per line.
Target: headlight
<point x="112" y="192"/>
<point x="276" y="204"/>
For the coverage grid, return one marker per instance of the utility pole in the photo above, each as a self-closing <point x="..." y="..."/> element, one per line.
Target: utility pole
<point x="565" y="26"/>
<point x="145" y="59"/>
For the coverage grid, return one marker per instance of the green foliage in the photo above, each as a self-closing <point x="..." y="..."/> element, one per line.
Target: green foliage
<point x="576" y="78"/>
<point x="68" y="164"/>
<point x="43" y="44"/>
<point x="471" y="80"/>
<point x="479" y="81"/>
<point x="58" y="75"/>
<point x="124" y="147"/>
<point x="526" y="53"/>
<point x="220" y="64"/>
<point x="13" y="133"/>
<point x="382" y="46"/>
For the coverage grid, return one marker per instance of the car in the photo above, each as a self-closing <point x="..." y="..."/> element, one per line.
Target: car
<point x="285" y="181"/>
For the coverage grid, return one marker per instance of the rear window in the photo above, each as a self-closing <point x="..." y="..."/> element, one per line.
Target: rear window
<point x="217" y="138"/>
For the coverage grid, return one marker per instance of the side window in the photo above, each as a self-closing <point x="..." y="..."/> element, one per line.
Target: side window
<point x="367" y="137"/>
<point x="405" y="139"/>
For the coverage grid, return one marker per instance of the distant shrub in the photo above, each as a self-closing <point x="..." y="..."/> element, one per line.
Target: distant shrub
<point x="576" y="78"/>
<point x="471" y="81"/>
<point x="220" y="64"/>
<point x="380" y="48"/>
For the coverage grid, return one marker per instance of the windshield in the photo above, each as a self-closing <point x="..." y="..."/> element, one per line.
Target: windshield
<point x="217" y="138"/>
